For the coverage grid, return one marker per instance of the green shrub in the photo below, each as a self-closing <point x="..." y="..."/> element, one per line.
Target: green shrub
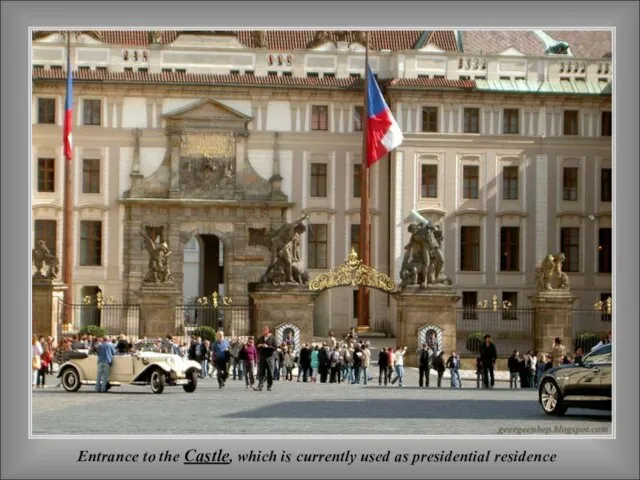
<point x="474" y="342"/>
<point x="94" y="330"/>
<point x="586" y="341"/>
<point x="207" y="333"/>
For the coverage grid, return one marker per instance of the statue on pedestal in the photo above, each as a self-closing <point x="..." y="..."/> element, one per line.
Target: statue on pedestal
<point x="423" y="262"/>
<point x="549" y="274"/>
<point x="286" y="260"/>
<point x="41" y="258"/>
<point x="159" y="270"/>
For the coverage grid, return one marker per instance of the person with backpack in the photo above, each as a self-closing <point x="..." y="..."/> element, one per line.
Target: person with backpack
<point x="346" y="361"/>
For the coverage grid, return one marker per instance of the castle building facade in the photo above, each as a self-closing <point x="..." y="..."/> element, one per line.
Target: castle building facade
<point x="209" y="140"/>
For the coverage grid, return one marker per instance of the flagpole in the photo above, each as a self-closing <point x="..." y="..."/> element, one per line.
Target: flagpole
<point x="67" y="268"/>
<point x="365" y="252"/>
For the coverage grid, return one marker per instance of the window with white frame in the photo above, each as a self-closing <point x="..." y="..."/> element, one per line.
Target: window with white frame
<point x="92" y="111"/>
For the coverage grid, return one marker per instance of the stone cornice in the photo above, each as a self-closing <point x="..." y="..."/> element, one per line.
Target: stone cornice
<point x="190" y="202"/>
<point x="469" y="211"/>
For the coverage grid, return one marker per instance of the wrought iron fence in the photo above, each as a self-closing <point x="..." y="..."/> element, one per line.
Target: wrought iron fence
<point x="510" y="329"/>
<point x="115" y="319"/>
<point x="589" y="327"/>
<point x="233" y="319"/>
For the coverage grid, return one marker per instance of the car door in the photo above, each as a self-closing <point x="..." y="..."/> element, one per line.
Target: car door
<point x="578" y="380"/>
<point x="122" y="368"/>
<point x="601" y="362"/>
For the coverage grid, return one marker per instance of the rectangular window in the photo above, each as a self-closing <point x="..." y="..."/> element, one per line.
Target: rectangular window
<point x="470" y="181"/>
<point x="357" y="179"/>
<point x="470" y="249"/>
<point x="46" y="174"/>
<point x="46" y="230"/>
<point x="318" y="179"/>
<point x="604" y="250"/>
<point x="471" y="120"/>
<point x="570" y="244"/>
<point x="429" y="181"/>
<point x="92" y="112"/>
<point x="605" y="184"/>
<point x="510" y="183"/>
<point x="509" y="305"/>
<point x="469" y="305"/>
<point x="605" y="124"/>
<point x="570" y="184"/>
<point x="570" y="122"/>
<point x="47" y="110"/>
<point x="509" y="249"/>
<point x="91" y="175"/>
<point x="510" y="120"/>
<point x="317" y="246"/>
<point x="358" y="113"/>
<point x="430" y="119"/>
<point x="90" y="243"/>
<point x="319" y="117"/>
<point x="355" y="237"/>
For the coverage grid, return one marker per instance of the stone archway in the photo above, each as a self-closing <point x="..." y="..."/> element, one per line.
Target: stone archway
<point x="282" y="329"/>
<point x="425" y="330"/>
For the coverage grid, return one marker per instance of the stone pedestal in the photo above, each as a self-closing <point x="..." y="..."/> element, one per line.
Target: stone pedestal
<point x="158" y="310"/>
<point x="46" y="300"/>
<point x="553" y="317"/>
<point x="421" y="309"/>
<point x="285" y="308"/>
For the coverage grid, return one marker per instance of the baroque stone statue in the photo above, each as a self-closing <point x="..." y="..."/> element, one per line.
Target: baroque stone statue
<point x="159" y="270"/>
<point x="320" y="38"/>
<point x="549" y="274"/>
<point x="423" y="261"/>
<point x="260" y="39"/>
<point x="286" y="265"/>
<point x="41" y="258"/>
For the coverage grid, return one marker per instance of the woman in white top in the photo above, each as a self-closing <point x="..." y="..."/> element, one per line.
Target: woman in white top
<point x="36" y="353"/>
<point x="399" y="365"/>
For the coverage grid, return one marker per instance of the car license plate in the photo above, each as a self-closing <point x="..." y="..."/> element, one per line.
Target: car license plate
<point x="182" y="381"/>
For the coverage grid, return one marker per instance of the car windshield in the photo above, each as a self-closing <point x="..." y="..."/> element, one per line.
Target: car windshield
<point x="601" y="355"/>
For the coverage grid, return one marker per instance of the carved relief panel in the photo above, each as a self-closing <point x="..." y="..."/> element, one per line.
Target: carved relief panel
<point x="207" y="165"/>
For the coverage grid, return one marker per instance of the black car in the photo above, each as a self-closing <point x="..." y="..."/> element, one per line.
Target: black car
<point x="586" y="384"/>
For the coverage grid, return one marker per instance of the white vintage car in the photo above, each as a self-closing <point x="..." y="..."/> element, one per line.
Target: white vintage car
<point x="141" y="368"/>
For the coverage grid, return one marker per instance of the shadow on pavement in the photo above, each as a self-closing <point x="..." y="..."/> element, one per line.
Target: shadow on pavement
<point x="413" y="409"/>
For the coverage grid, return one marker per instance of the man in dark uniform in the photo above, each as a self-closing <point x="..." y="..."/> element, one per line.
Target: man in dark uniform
<point x="488" y="354"/>
<point x="266" y="346"/>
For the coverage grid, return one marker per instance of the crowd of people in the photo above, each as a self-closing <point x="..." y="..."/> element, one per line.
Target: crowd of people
<point x="344" y="361"/>
<point x="528" y="369"/>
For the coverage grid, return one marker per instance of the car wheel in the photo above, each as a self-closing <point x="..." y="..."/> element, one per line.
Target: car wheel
<point x="70" y="380"/>
<point x="157" y="381"/>
<point x="551" y="399"/>
<point x="190" y="387"/>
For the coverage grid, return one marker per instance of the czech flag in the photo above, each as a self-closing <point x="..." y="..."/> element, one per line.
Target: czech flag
<point x="383" y="132"/>
<point x="68" y="108"/>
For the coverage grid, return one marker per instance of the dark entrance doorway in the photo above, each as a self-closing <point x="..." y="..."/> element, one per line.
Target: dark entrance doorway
<point x="211" y="265"/>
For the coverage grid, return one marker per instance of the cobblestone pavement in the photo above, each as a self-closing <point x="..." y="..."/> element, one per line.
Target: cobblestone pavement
<point x="305" y="408"/>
